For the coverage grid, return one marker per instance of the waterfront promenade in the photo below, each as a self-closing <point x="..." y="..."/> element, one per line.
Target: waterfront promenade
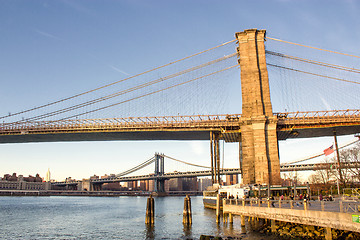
<point x="340" y="214"/>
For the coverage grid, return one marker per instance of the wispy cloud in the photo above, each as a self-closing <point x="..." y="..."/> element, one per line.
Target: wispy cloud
<point x="327" y="105"/>
<point x="197" y="147"/>
<point x="46" y="34"/>
<point x="78" y="7"/>
<point x="119" y="70"/>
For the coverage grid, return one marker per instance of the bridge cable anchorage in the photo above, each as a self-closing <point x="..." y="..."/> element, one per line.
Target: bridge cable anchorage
<point x="323" y="64"/>
<point x="345" y="54"/>
<point x="111" y="84"/>
<point x="136" y="168"/>
<point x="317" y="155"/>
<point x="100" y="99"/>
<point x="314" y="74"/>
<point x="177" y="160"/>
<point x="147" y="94"/>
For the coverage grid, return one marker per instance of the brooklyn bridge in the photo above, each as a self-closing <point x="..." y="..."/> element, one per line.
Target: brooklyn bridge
<point x="314" y="98"/>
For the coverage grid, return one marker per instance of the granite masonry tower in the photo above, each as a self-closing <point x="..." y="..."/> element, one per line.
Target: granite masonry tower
<point x="260" y="158"/>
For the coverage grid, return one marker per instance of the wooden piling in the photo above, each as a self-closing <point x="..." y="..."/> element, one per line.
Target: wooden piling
<point x="231" y="219"/>
<point x="152" y="200"/>
<point x="242" y="220"/>
<point x="148" y="215"/>
<point x="189" y="209"/>
<point x="187" y="215"/>
<point x="273" y="225"/>
<point x="328" y="234"/>
<point x="218" y="208"/>
<point x="150" y="211"/>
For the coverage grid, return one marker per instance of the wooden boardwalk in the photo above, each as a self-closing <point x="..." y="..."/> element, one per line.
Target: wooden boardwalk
<point x="341" y="215"/>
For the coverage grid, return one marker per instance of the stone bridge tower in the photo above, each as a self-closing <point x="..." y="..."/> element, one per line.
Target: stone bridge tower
<point x="260" y="158"/>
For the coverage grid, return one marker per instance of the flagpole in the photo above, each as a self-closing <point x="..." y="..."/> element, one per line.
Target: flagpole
<point x="338" y="162"/>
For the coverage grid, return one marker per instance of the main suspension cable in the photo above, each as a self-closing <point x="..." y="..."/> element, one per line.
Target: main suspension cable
<point x="345" y="54"/>
<point x="100" y="99"/>
<point x="147" y="94"/>
<point x="111" y="84"/>
<point x="191" y="164"/>
<point x="140" y="166"/>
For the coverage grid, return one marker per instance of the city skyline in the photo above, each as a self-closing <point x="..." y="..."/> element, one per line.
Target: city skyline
<point x="54" y="49"/>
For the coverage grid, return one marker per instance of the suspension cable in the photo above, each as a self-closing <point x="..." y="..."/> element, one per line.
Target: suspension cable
<point x="177" y="160"/>
<point x="279" y="40"/>
<point x="315" y="74"/>
<point x="100" y="99"/>
<point x="122" y="80"/>
<point x="140" y="166"/>
<point x="339" y="67"/>
<point x="148" y="94"/>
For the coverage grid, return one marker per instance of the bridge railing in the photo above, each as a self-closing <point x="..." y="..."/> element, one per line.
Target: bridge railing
<point x="349" y="113"/>
<point x="312" y="205"/>
<point x="220" y="120"/>
<point x="121" y="122"/>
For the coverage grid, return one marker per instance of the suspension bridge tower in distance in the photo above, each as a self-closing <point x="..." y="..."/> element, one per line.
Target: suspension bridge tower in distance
<point x="260" y="158"/>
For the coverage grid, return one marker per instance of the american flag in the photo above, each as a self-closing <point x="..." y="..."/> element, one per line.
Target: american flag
<point x="329" y="150"/>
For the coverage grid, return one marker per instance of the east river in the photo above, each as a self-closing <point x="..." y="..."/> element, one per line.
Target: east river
<point x="108" y="218"/>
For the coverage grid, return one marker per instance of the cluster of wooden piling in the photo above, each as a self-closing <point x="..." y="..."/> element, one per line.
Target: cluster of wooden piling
<point x="150" y="211"/>
<point x="187" y="216"/>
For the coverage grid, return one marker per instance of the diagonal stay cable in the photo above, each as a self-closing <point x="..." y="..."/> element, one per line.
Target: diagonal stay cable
<point x="148" y="94"/>
<point x="111" y="84"/>
<point x="314" y="74"/>
<point x="60" y="111"/>
<point x="177" y="160"/>
<point x="138" y="167"/>
<point x="339" y="67"/>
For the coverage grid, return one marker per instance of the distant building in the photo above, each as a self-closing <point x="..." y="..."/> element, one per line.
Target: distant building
<point x="151" y="185"/>
<point x="48" y="176"/>
<point x="183" y="184"/>
<point x="131" y="185"/>
<point x="231" y="179"/>
<point x="203" y="183"/>
<point x="143" y="185"/>
<point x="175" y="184"/>
<point x="12" y="182"/>
<point x="94" y="177"/>
<point x="115" y="186"/>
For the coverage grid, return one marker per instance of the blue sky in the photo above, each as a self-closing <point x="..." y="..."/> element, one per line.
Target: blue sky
<point x="56" y="48"/>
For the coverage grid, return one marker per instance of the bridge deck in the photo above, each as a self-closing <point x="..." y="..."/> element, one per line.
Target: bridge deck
<point x="289" y="125"/>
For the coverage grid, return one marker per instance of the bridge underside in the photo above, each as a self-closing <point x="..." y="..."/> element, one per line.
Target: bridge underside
<point x="284" y="132"/>
<point x="310" y="132"/>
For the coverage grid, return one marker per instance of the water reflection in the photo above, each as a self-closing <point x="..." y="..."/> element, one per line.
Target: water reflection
<point x="187" y="230"/>
<point x="149" y="231"/>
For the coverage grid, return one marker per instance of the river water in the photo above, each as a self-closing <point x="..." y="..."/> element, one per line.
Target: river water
<point x="108" y="218"/>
